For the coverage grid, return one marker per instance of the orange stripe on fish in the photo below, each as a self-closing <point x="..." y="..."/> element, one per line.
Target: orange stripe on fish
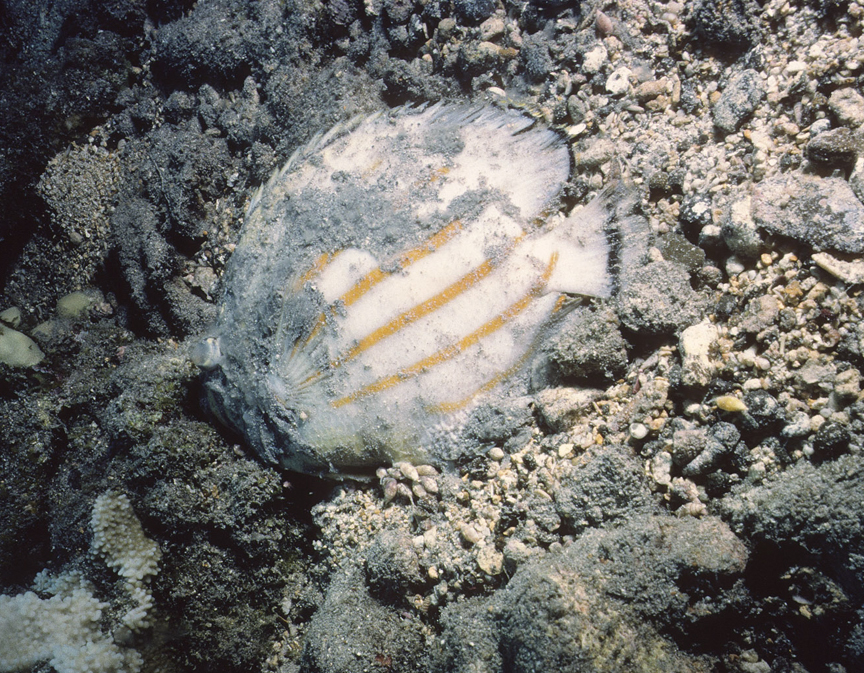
<point x="454" y="349"/>
<point x="421" y="310"/>
<point x="316" y="268"/>
<point x="375" y="276"/>
<point x="366" y="283"/>
<point x="434" y="176"/>
<point x="371" y="168"/>
<point x="450" y="407"/>
<point x="562" y="301"/>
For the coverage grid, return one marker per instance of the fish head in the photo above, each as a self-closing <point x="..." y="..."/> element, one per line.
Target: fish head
<point x="264" y="416"/>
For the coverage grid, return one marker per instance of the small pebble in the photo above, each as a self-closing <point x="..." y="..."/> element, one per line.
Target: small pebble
<point x="834" y="148"/>
<point x="739" y="99"/>
<point x="491" y="29"/>
<point x="638" y="431"/>
<point x="848" y="106"/>
<point x="648" y="90"/>
<point x="490" y="561"/>
<point x="11" y="316"/>
<point x="470" y="533"/>
<point x="734" y="266"/>
<point x="594" y="60"/>
<point x="847" y="385"/>
<point x="661" y="468"/>
<point x="603" y="24"/>
<point x="619" y="81"/>
<point x="730" y="403"/>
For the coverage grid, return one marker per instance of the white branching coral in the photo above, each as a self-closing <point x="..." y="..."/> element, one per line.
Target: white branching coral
<point x="119" y="538"/>
<point x="62" y="630"/>
<point x="65" y="628"/>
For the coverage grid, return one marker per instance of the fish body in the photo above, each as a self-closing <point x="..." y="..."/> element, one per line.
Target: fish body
<point x="397" y="272"/>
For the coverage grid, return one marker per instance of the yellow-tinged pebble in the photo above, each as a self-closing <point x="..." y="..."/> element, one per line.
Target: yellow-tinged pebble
<point x="656" y="425"/>
<point x="490" y="561"/>
<point x="730" y="403"/>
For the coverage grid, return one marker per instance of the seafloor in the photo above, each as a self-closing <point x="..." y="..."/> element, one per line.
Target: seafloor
<point x="688" y="496"/>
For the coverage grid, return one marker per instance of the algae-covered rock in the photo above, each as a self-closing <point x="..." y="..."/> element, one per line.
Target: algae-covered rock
<point x="75" y="304"/>
<point x="589" y="345"/>
<point x="17" y="349"/>
<point x="824" y="213"/>
<point x="658" y="299"/>
<point x="608" y="602"/>
<point x="11" y="316"/>
<point x="353" y="632"/>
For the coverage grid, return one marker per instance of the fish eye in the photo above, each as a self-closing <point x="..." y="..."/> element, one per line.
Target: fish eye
<point x="207" y="354"/>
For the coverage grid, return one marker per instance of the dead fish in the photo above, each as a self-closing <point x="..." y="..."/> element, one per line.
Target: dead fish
<point x="394" y="274"/>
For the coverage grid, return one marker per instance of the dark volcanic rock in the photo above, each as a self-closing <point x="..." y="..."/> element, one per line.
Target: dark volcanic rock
<point x="661" y="301"/>
<point x="605" y="486"/>
<point x="723" y="24"/>
<point x="604" y="598"/>
<point x="392" y="566"/>
<point x="824" y="213"/>
<point x="835" y="148"/>
<point x="742" y="94"/>
<point x="474" y="11"/>
<point x="814" y="513"/>
<point x="352" y="632"/>
<point x="589" y="344"/>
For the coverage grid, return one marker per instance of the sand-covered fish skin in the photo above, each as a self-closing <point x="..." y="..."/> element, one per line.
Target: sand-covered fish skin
<point x="398" y="271"/>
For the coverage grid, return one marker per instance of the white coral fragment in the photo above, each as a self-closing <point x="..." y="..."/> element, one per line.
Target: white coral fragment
<point x="62" y="629"/>
<point x="695" y="344"/>
<point x="118" y="536"/>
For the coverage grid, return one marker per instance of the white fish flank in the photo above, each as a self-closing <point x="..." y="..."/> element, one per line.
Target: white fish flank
<point x="371" y="354"/>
